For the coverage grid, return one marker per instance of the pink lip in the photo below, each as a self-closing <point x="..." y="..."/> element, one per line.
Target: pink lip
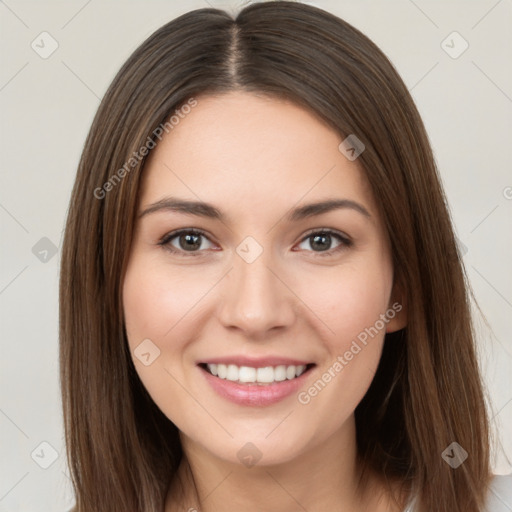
<point x="253" y="394"/>
<point x="255" y="362"/>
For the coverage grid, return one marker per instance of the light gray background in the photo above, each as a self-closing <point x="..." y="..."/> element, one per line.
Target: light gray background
<point x="47" y="108"/>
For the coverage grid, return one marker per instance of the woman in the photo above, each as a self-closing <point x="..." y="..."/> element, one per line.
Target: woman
<point x="262" y="303"/>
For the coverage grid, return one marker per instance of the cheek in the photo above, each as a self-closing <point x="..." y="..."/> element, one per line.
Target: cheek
<point x="157" y="307"/>
<point x="166" y="306"/>
<point x="158" y="302"/>
<point x="348" y="298"/>
<point x="352" y="310"/>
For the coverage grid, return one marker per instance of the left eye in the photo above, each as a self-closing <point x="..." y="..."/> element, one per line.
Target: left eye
<point x="321" y="241"/>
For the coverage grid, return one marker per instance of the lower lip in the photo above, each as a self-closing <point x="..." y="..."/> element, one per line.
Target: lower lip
<point x="253" y="394"/>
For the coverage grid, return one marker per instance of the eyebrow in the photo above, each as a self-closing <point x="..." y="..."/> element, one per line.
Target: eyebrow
<point x="202" y="209"/>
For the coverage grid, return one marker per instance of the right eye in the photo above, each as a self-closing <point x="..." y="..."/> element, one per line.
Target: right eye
<point x="186" y="242"/>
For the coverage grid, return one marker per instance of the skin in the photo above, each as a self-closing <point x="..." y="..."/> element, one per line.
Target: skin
<point x="255" y="158"/>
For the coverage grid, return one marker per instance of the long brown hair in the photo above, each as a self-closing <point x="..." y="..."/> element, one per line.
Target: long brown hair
<point x="427" y="392"/>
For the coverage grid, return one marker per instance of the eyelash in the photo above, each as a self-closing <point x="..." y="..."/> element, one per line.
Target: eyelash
<point x="345" y="242"/>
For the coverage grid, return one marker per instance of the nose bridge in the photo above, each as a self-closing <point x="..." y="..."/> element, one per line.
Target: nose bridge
<point x="253" y="298"/>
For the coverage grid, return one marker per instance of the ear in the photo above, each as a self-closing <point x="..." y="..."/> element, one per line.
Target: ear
<point x="397" y="308"/>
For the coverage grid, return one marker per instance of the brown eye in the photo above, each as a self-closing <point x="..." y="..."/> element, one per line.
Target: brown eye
<point x="322" y="242"/>
<point x="189" y="241"/>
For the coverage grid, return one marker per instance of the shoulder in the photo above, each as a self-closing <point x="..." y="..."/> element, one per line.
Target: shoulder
<point x="499" y="497"/>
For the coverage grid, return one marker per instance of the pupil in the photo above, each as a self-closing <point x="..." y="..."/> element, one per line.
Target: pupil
<point x="191" y="242"/>
<point x="318" y="240"/>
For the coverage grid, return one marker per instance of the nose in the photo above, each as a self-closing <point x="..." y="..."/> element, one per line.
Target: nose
<point x="255" y="298"/>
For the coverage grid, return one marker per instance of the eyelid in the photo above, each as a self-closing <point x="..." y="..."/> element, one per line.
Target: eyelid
<point x="328" y="231"/>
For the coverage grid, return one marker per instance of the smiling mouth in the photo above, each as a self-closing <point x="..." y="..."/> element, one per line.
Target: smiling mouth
<point x="257" y="376"/>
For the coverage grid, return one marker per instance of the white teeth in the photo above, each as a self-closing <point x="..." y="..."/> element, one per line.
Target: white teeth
<point x="247" y="374"/>
<point x="300" y="370"/>
<point x="280" y="373"/>
<point x="265" y="375"/>
<point x="290" y="372"/>
<point x="232" y="372"/>
<point x="222" y="370"/>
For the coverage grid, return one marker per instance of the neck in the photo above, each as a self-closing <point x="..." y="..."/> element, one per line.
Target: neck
<point x="325" y="477"/>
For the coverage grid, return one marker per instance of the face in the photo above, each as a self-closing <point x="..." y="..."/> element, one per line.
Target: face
<point x="285" y="302"/>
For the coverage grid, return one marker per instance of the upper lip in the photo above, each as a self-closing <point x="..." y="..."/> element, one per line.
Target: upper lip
<point x="256" y="362"/>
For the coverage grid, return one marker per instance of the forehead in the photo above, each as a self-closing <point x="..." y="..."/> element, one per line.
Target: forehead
<point x="252" y="152"/>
